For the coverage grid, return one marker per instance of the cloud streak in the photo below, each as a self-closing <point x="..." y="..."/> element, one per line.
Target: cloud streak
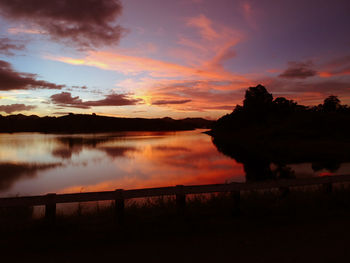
<point x="82" y="23"/>
<point x="13" y="80"/>
<point x="203" y="95"/>
<point x="337" y="67"/>
<point x="132" y="65"/>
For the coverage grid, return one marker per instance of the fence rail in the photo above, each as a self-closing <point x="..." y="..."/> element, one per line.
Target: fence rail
<point x="180" y="191"/>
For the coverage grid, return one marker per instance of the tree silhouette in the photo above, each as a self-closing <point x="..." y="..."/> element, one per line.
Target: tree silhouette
<point x="332" y="103"/>
<point x="257" y="98"/>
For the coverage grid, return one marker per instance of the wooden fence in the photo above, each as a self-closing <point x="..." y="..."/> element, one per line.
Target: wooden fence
<point x="180" y="191"/>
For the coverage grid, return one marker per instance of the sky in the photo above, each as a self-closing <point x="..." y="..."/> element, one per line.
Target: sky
<point x="159" y="58"/>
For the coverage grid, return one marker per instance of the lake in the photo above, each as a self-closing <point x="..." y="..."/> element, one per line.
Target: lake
<point x="34" y="163"/>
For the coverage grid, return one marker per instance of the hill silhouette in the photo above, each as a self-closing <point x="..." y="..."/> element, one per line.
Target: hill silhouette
<point x="83" y="123"/>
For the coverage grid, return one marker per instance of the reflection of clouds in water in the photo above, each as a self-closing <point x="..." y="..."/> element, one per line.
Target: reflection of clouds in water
<point x="172" y="148"/>
<point x="98" y="162"/>
<point x="27" y="147"/>
<point x="12" y="172"/>
<point x="185" y="159"/>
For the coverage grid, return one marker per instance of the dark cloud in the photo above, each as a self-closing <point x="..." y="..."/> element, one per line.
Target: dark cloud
<point x="165" y="102"/>
<point x="7" y="46"/>
<point x="298" y="70"/>
<point x="83" y="23"/>
<point x="65" y="99"/>
<point x="114" y="100"/>
<point x="11" y="79"/>
<point x="16" y="107"/>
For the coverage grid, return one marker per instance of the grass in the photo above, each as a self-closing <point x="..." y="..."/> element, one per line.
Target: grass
<point x="268" y="227"/>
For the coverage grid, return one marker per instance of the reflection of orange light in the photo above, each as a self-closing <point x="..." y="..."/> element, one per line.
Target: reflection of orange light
<point x="326" y="174"/>
<point x="170" y="162"/>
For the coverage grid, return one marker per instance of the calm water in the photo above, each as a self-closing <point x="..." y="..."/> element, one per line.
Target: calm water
<point x="33" y="163"/>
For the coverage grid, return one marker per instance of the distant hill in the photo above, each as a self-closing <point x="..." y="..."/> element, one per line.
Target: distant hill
<point x="83" y="123"/>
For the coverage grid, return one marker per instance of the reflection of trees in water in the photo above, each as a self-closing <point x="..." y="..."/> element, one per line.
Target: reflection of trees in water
<point x="258" y="169"/>
<point x="12" y="172"/>
<point x="329" y="165"/>
<point x="67" y="146"/>
<point x="258" y="166"/>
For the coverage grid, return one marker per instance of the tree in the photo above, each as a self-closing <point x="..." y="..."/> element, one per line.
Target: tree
<point x="257" y="99"/>
<point x="282" y="105"/>
<point x="332" y="103"/>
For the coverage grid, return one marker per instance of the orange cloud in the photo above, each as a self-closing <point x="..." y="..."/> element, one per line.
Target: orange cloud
<point x="325" y="74"/>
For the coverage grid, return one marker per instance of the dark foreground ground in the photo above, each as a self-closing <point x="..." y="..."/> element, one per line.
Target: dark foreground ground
<point x="303" y="227"/>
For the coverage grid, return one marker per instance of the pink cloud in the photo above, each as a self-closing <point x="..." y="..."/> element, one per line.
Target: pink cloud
<point x="204" y="25"/>
<point x="216" y="44"/>
<point x="249" y="15"/>
<point x="132" y="65"/>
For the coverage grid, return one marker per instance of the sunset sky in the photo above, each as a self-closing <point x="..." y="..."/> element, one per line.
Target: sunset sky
<point x="158" y="58"/>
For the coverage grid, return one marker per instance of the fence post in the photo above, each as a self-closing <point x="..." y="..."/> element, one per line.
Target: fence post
<point x="180" y="200"/>
<point x="119" y="206"/>
<point x="50" y="209"/>
<point x="236" y="198"/>
<point x="327" y="188"/>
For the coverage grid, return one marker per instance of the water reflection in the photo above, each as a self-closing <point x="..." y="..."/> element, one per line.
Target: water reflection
<point x="262" y="164"/>
<point x="97" y="162"/>
<point x="68" y="146"/>
<point x="34" y="163"/>
<point x="12" y="172"/>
